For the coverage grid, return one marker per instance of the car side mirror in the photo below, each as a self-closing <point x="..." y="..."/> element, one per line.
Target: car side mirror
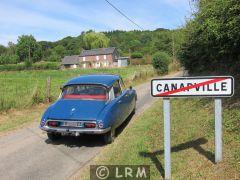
<point x="130" y="87"/>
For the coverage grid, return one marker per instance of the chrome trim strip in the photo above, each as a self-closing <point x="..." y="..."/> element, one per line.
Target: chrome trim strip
<point x="65" y="129"/>
<point x="73" y="130"/>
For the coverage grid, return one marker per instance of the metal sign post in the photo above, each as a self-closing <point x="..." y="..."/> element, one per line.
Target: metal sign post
<point x="167" y="144"/>
<point x="218" y="130"/>
<point x="210" y="86"/>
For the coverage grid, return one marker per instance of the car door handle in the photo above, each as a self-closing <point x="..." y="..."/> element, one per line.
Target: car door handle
<point x="126" y="95"/>
<point x="119" y="101"/>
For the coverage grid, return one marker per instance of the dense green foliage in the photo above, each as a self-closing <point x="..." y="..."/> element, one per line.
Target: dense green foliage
<point x="161" y="61"/>
<point x="35" y="66"/>
<point x="28" y="49"/>
<point x="94" y="40"/>
<point x="212" y="42"/>
<point x="9" y="59"/>
<point x="136" y="55"/>
<point x="129" y="43"/>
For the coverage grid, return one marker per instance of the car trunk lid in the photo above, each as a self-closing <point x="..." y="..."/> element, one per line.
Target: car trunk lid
<point x="66" y="109"/>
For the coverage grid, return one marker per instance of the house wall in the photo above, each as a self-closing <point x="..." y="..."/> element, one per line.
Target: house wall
<point x="122" y="63"/>
<point x="98" y="61"/>
<point x="107" y="57"/>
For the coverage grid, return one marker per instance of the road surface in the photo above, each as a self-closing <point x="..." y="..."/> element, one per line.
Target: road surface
<point x="28" y="154"/>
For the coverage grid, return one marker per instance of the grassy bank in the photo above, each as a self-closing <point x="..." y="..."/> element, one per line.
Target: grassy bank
<point x="21" y="89"/>
<point x="192" y="142"/>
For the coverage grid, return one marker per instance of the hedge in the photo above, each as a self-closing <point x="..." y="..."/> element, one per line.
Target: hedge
<point x="36" y="66"/>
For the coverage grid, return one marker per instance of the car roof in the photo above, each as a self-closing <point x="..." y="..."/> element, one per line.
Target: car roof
<point x="102" y="79"/>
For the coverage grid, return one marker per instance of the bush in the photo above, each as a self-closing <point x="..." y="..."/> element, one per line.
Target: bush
<point x="161" y="62"/>
<point x="12" y="67"/>
<point x="136" y="55"/>
<point x="9" y="59"/>
<point x="35" y="66"/>
<point x="46" y="65"/>
<point x="54" y="58"/>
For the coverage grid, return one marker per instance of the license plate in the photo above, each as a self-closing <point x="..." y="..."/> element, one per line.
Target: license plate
<point x="73" y="124"/>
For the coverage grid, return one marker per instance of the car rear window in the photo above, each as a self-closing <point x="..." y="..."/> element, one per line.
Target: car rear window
<point x="95" y="92"/>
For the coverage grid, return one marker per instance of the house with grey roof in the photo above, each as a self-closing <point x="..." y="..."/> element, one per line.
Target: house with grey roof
<point x="95" y="58"/>
<point x="101" y="57"/>
<point x="70" y="62"/>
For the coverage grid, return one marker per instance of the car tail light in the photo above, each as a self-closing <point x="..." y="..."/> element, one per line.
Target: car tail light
<point x="53" y="123"/>
<point x="90" y="125"/>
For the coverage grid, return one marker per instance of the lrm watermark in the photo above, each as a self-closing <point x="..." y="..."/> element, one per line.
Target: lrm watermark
<point x="100" y="172"/>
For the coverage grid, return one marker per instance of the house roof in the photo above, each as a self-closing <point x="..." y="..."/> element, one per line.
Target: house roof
<point x="99" y="51"/>
<point x="69" y="60"/>
<point x="102" y="79"/>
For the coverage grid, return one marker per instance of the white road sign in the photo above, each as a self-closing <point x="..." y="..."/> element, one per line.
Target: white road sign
<point x="209" y="86"/>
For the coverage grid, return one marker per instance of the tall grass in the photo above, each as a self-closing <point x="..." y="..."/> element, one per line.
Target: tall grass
<point x="25" y="88"/>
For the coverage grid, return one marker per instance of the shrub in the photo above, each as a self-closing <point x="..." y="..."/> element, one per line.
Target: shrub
<point x="54" y="58"/>
<point x="9" y="59"/>
<point x="35" y="66"/>
<point x="46" y="65"/>
<point x="12" y="67"/>
<point x="161" y="62"/>
<point x="136" y="55"/>
<point x="28" y="64"/>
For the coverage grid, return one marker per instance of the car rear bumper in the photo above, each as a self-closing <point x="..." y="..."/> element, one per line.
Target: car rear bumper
<point x="68" y="130"/>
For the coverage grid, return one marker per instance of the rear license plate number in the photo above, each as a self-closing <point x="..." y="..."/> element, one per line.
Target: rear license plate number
<point x="73" y="124"/>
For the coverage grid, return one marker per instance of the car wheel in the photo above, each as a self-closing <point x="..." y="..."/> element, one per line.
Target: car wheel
<point x="109" y="136"/>
<point x="53" y="136"/>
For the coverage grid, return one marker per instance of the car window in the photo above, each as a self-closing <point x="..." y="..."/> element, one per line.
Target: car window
<point x="122" y="84"/>
<point x="111" y="94"/>
<point x="85" y="92"/>
<point x="117" y="89"/>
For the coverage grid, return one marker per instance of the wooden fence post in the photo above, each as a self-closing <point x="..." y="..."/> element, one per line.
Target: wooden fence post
<point x="48" y="89"/>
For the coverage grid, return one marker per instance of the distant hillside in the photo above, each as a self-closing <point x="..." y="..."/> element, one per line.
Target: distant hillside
<point x="129" y="43"/>
<point x="146" y="42"/>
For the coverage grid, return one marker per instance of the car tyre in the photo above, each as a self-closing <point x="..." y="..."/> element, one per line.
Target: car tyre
<point x="53" y="136"/>
<point x="109" y="136"/>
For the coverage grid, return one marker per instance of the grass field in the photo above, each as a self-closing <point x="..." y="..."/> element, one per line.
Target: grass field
<point x="20" y="89"/>
<point x="192" y="142"/>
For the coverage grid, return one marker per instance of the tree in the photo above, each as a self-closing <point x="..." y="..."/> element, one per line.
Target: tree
<point x="11" y="48"/>
<point x="3" y="49"/>
<point x="212" y="38"/>
<point x="163" y="42"/>
<point x="161" y="62"/>
<point x="93" y="40"/>
<point x="134" y="45"/>
<point x="60" y="50"/>
<point x="54" y="57"/>
<point x="28" y="49"/>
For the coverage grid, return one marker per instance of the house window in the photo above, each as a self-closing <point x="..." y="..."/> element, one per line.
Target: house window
<point x="104" y="57"/>
<point x="97" y="58"/>
<point x="84" y="58"/>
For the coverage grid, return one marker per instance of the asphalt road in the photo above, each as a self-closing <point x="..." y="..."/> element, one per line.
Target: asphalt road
<point x="28" y="154"/>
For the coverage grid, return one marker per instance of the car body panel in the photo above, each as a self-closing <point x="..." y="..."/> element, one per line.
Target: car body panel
<point x="106" y="114"/>
<point x="76" y="109"/>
